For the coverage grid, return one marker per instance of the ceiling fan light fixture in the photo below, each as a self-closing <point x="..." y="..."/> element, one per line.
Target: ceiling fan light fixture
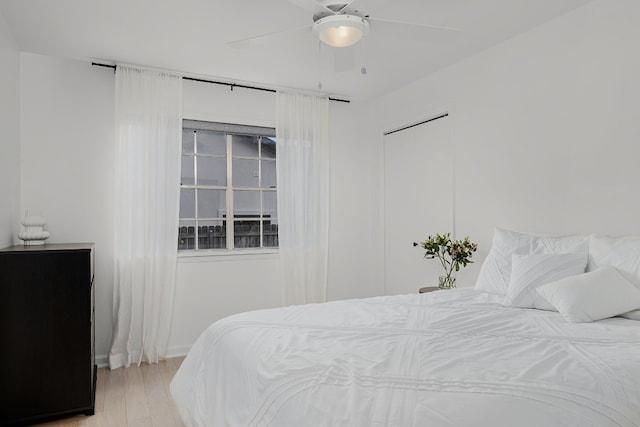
<point x="341" y="30"/>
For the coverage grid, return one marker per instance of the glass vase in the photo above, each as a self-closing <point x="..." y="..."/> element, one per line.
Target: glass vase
<point x="447" y="282"/>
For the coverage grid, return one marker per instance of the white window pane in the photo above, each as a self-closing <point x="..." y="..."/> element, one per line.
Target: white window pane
<point x="187" y="203"/>
<point x="245" y="173"/>
<point x="246" y="204"/>
<point x="245" y="146"/>
<point x="268" y="147"/>
<point x="186" y="235"/>
<point x="210" y="142"/>
<point x="246" y="233"/>
<point x="211" y="203"/>
<point x="187" y="171"/>
<point x="187" y="140"/>
<point x="212" y="171"/>
<point x="212" y="235"/>
<point x="268" y="174"/>
<point x="270" y="204"/>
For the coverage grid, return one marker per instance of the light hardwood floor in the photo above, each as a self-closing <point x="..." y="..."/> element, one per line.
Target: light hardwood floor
<point x="132" y="397"/>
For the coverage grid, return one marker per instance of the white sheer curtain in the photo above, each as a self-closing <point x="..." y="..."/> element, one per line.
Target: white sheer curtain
<point x="302" y="167"/>
<point x="148" y="139"/>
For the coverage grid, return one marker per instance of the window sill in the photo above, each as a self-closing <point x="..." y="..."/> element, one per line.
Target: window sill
<point x="224" y="255"/>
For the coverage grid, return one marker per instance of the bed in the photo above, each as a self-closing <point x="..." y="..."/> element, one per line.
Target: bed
<point x="446" y="358"/>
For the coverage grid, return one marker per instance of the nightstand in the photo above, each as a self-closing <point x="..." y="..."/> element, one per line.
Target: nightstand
<point x="428" y="289"/>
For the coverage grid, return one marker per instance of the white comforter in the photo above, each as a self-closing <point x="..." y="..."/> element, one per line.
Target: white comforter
<point x="446" y="358"/>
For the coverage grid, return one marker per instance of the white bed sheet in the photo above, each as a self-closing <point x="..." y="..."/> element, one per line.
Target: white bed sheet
<point x="446" y="358"/>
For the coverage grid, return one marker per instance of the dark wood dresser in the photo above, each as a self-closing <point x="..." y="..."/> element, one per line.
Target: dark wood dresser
<point x="47" y="367"/>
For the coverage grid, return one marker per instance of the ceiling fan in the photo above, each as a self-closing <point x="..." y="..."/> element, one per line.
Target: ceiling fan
<point x="341" y="24"/>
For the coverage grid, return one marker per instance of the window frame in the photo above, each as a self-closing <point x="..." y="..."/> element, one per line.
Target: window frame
<point x="228" y="217"/>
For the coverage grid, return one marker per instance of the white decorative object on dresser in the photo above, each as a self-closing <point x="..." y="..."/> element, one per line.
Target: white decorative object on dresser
<point x="33" y="233"/>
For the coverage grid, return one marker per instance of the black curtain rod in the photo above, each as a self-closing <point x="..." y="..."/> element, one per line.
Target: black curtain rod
<point x="416" y="124"/>
<point x="231" y="85"/>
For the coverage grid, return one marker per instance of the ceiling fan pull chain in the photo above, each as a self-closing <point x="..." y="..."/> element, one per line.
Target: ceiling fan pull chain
<point x="363" y="70"/>
<point x="319" y="65"/>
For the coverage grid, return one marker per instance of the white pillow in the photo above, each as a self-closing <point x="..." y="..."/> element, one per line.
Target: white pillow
<point x="495" y="272"/>
<point x="528" y="272"/>
<point x="620" y="252"/>
<point x="592" y="296"/>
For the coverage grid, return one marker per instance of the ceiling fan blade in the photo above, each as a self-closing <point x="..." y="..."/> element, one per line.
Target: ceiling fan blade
<point x="367" y="5"/>
<point x="266" y="38"/>
<point x="344" y="58"/>
<point x="414" y="31"/>
<point x="312" y="6"/>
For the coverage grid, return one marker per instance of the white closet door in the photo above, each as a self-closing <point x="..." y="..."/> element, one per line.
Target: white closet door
<point x="419" y="200"/>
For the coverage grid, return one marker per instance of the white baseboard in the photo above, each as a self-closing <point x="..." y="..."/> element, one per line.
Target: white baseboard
<point x="102" y="360"/>
<point x="178" y="351"/>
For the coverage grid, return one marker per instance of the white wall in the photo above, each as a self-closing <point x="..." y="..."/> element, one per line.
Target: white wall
<point x="354" y="230"/>
<point x="67" y="142"/>
<point x="67" y="116"/>
<point x="417" y="160"/>
<point x="546" y="127"/>
<point x="9" y="137"/>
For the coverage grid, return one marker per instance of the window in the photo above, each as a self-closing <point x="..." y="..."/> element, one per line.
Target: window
<point x="228" y="196"/>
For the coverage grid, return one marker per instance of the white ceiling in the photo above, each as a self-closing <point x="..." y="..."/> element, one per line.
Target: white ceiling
<point x="191" y="36"/>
